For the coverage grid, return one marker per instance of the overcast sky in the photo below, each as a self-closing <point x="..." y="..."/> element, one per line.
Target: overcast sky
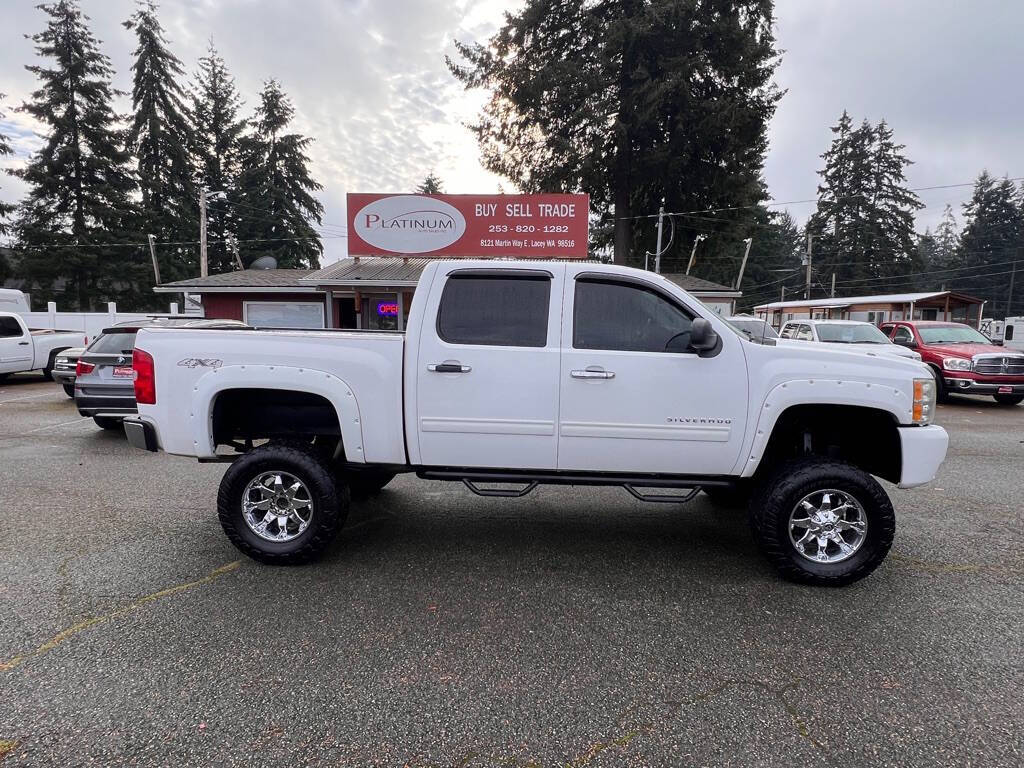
<point x="369" y="83"/>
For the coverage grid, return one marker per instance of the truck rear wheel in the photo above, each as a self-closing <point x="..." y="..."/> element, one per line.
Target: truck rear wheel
<point x="822" y="522"/>
<point x="1009" y="399"/>
<point x="281" y="504"/>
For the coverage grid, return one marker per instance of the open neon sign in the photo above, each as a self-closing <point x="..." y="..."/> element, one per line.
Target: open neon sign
<point x="387" y="309"/>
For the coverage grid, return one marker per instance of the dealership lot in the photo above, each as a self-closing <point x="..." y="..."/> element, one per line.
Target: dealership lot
<point x="574" y="627"/>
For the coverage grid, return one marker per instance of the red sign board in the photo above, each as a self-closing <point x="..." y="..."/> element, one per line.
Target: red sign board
<point x="518" y="226"/>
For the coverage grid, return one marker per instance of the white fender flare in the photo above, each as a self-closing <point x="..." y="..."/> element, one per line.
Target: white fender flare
<point x="326" y="385"/>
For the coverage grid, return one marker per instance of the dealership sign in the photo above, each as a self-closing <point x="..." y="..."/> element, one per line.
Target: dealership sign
<point x="522" y="226"/>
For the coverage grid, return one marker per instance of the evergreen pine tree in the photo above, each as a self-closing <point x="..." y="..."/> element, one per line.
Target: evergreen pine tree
<point x="947" y="245"/>
<point x="775" y="259"/>
<point x="927" y="260"/>
<point x="217" y="131"/>
<point x="431" y="185"/>
<point x="5" y="208"/>
<point x="80" y="185"/>
<point x="991" y="240"/>
<point x="160" y="138"/>
<point x="276" y="189"/>
<point x="631" y="101"/>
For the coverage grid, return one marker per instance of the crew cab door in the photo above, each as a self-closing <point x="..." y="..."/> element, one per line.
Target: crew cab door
<point x="16" y="351"/>
<point x="487" y="368"/>
<point x="634" y="396"/>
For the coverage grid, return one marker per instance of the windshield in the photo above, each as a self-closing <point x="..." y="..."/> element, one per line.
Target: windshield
<point x="756" y="328"/>
<point x="849" y="333"/>
<point x="117" y="343"/>
<point x="751" y="329"/>
<point x="951" y="334"/>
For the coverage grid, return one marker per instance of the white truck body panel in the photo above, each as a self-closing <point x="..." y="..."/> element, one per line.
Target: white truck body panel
<point x="24" y="349"/>
<point x="533" y="408"/>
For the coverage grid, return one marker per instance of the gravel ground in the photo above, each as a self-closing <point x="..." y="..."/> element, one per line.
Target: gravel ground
<point x="573" y="627"/>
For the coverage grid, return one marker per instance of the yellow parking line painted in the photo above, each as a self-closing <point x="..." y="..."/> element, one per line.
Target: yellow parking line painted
<point x="73" y="630"/>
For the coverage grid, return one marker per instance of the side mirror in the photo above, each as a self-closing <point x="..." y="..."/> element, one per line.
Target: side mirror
<point x="702" y="336"/>
<point x="908" y="343"/>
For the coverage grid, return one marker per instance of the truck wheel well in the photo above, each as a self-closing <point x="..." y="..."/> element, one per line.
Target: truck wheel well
<point x="865" y="437"/>
<point x="241" y="416"/>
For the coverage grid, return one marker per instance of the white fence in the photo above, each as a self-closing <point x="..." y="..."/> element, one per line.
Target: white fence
<point x="90" y="323"/>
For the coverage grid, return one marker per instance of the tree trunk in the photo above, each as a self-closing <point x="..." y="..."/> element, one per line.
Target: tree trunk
<point x="623" y="228"/>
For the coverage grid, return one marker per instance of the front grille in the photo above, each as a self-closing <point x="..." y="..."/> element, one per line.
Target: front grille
<point x="64" y="366"/>
<point x="999" y="365"/>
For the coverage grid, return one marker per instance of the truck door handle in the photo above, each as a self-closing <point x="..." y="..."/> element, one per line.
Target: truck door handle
<point x="448" y="368"/>
<point x="22" y="343"/>
<point x="592" y="372"/>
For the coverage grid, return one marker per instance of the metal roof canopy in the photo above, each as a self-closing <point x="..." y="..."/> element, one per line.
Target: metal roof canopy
<point x="920" y="299"/>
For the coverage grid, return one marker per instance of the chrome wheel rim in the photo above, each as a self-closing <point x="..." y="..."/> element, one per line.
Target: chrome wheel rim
<point x="827" y="526"/>
<point x="277" y="506"/>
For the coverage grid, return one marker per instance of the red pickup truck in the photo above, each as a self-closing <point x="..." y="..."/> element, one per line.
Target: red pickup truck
<point x="962" y="359"/>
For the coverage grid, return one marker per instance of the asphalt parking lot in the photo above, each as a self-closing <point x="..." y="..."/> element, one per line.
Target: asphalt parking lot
<point x="573" y="627"/>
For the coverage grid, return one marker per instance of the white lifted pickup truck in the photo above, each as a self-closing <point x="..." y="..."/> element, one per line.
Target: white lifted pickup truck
<point x="518" y="373"/>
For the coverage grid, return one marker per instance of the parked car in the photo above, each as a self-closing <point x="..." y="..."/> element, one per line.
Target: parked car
<point x="544" y="372"/>
<point x="64" y="366"/>
<point x="103" y="374"/>
<point x="753" y="326"/>
<point x="844" y="332"/>
<point x="31" y="349"/>
<point x="962" y="359"/>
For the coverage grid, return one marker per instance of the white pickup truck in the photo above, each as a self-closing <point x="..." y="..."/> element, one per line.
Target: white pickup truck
<point x="519" y="373"/>
<point x="32" y="349"/>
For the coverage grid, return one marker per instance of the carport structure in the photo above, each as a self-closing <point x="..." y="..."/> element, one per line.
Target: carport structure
<point x="936" y="305"/>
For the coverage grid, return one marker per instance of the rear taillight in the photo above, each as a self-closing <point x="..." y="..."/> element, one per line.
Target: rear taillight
<point x="145" y="377"/>
<point x="81" y="369"/>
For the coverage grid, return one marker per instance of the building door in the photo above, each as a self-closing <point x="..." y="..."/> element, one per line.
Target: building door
<point x="347" y="313"/>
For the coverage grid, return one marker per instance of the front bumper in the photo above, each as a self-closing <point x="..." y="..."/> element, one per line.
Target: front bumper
<point x="63" y="377"/>
<point x="141" y="434"/>
<point x="974" y="384"/>
<point x="923" y="450"/>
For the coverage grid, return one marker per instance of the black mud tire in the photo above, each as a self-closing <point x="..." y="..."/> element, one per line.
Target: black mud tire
<point x="109" y="423"/>
<point x="777" y="495"/>
<point x="729" y="497"/>
<point x="367" y="483"/>
<point x="69" y="390"/>
<point x="1009" y="399"/>
<point x="330" y="503"/>
<point x="941" y="393"/>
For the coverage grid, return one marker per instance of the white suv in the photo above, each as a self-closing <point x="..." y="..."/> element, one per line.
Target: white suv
<point x="844" y="332"/>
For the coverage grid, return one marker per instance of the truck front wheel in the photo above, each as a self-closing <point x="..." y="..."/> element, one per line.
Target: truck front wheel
<point x="281" y="504"/>
<point x="822" y="522"/>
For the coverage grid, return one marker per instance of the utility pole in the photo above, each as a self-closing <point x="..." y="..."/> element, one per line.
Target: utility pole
<point x="833" y="294"/>
<point x="204" y="266"/>
<point x="783" y="297"/>
<point x="807" y="289"/>
<point x="693" y="253"/>
<point x="657" y="250"/>
<point x="1009" y="293"/>
<point x="152" y="252"/>
<point x="743" y="264"/>
<point x="233" y="245"/>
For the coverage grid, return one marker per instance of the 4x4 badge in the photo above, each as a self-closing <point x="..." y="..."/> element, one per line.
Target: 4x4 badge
<point x="197" y="362"/>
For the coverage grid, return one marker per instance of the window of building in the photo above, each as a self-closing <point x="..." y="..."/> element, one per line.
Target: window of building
<point x="499" y="311"/>
<point x="628" y="317"/>
<point x="284" y="314"/>
<point x="9" y="328"/>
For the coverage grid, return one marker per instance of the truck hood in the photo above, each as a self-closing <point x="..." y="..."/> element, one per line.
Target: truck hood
<point x="890" y="350"/>
<point x="815" y="358"/>
<point x="963" y="350"/>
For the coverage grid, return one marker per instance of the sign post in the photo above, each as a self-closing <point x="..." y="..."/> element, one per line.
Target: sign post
<point x="469" y="226"/>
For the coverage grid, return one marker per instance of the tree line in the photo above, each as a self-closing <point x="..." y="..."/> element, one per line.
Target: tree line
<point x="101" y="181"/>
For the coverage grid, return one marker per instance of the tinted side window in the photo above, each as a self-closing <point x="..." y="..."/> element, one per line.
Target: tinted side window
<point x="804" y="334"/>
<point x="627" y="317"/>
<point x="787" y="331"/>
<point x="902" y="334"/>
<point x="1008" y="333"/>
<point x="9" y="328"/>
<point x="501" y="311"/>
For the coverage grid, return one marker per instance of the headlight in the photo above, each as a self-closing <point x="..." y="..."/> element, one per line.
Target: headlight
<point x="924" y="401"/>
<point x="956" y="364"/>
